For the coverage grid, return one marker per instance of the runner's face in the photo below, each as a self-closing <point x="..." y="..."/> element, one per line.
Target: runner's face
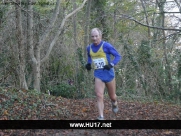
<point x="95" y="37"/>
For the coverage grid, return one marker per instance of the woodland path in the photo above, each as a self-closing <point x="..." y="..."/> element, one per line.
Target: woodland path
<point x="84" y="109"/>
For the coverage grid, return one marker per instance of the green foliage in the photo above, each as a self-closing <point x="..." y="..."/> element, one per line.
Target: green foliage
<point x="45" y="6"/>
<point x="80" y="73"/>
<point x="64" y="90"/>
<point x="98" y="14"/>
<point x="179" y="66"/>
<point x="3" y="10"/>
<point x="80" y="56"/>
<point x="143" y="66"/>
<point x="45" y="2"/>
<point x="144" y="53"/>
<point x="29" y="105"/>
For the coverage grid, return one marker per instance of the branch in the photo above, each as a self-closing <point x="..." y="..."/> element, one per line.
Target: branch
<point x="146" y="15"/>
<point x="60" y="30"/>
<point x="154" y="27"/>
<point x="169" y="12"/>
<point x="47" y="32"/>
<point x="26" y="3"/>
<point x="179" y="6"/>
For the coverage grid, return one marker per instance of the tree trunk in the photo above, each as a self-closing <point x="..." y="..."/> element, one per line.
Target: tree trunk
<point x="34" y="50"/>
<point x="21" y="47"/>
<point x="168" y="68"/>
<point x="74" y="20"/>
<point x="146" y="15"/>
<point x="87" y="20"/>
<point x="60" y="30"/>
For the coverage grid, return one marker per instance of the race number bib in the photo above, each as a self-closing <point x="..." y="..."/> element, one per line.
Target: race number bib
<point x="99" y="63"/>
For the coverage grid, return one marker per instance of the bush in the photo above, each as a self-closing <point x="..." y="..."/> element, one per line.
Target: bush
<point x="64" y="90"/>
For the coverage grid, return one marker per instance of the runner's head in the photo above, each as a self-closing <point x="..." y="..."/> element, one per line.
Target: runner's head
<point x="96" y="36"/>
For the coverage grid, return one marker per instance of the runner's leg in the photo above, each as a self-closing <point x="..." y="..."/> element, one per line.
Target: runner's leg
<point x="99" y="90"/>
<point x="111" y="86"/>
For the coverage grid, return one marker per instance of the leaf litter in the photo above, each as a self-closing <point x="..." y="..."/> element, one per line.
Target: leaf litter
<point x="28" y="105"/>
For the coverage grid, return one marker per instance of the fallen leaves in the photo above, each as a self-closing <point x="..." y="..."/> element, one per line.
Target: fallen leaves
<point x="84" y="109"/>
<point x="22" y="105"/>
<point x="167" y="132"/>
<point x="26" y="105"/>
<point x="5" y="112"/>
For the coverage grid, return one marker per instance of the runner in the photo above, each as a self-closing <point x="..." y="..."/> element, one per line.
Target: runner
<point x="99" y="53"/>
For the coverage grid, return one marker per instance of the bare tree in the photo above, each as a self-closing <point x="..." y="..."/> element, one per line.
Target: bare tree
<point x="87" y="20"/>
<point x="21" y="48"/>
<point x="30" y="42"/>
<point x="36" y="60"/>
<point x="146" y="16"/>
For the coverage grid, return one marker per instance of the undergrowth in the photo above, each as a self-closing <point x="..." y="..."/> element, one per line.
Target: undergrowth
<point x="30" y="105"/>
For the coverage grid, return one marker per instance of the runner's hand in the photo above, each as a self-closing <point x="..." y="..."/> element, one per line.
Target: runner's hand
<point x="88" y="66"/>
<point x="107" y="67"/>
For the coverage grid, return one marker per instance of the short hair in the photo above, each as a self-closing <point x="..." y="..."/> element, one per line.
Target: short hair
<point x="97" y="29"/>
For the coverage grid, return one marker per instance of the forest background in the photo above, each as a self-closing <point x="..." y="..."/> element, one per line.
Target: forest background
<point x="43" y="46"/>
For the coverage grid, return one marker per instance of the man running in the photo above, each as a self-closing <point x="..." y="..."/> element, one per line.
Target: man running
<point x="99" y="53"/>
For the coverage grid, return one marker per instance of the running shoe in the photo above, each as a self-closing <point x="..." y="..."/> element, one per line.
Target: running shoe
<point x="100" y="118"/>
<point x="115" y="107"/>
